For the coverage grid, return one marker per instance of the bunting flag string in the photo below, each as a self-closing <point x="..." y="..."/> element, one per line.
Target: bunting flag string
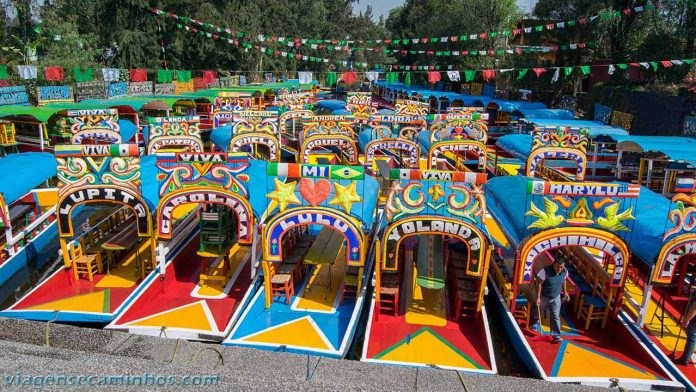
<point x="344" y="43"/>
<point x="276" y="52"/>
<point x="393" y="70"/>
<point x="448" y="53"/>
<point x="585" y="69"/>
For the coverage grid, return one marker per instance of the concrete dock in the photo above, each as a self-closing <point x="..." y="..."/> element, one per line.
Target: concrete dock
<point x="32" y="351"/>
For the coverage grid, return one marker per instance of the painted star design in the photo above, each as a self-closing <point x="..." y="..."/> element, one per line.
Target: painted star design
<point x="283" y="194"/>
<point x="345" y="196"/>
<point x="436" y="192"/>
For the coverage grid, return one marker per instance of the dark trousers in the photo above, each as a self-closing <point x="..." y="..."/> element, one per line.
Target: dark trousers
<point x="690" y="340"/>
<point x="553" y="304"/>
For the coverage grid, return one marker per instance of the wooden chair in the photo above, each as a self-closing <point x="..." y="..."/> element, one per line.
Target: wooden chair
<point x="84" y="264"/>
<point x="294" y="265"/>
<point x="522" y="309"/>
<point x="465" y="303"/>
<point x="466" y="297"/>
<point x="351" y="283"/>
<point x="389" y="292"/>
<point x="586" y="285"/>
<point x="281" y="284"/>
<point x="593" y="307"/>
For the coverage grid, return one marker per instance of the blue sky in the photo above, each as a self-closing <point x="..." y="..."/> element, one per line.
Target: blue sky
<point x="382" y="7"/>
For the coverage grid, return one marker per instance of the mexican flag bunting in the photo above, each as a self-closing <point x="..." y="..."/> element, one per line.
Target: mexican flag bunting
<point x="469" y="75"/>
<point x="522" y="73"/>
<point x="539" y="71"/>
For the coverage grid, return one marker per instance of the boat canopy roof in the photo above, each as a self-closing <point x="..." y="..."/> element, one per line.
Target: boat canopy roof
<point x="596" y="128"/>
<point x="22" y="172"/>
<point x="150" y="183"/>
<point x="41" y="114"/>
<point x="127" y="129"/>
<point x="331" y="105"/>
<point x="517" y="145"/>
<point x="552" y="114"/>
<point x="221" y="136"/>
<point x="651" y="214"/>
<point x="468" y="100"/>
<point x="512" y="106"/>
<point x="675" y="148"/>
<point x="506" y="198"/>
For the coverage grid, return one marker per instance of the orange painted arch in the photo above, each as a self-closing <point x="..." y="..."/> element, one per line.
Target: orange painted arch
<point x="205" y="195"/>
<point x="669" y="256"/>
<point x="424" y="224"/>
<point x="455" y="146"/>
<point x="573" y="236"/>
<point x="317" y="141"/>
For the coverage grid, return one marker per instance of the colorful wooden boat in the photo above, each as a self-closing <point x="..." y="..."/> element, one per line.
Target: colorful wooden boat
<point x="660" y="280"/>
<point x="27" y="215"/>
<point x="392" y="138"/>
<point x="226" y="103"/>
<point x="328" y="139"/>
<point x="290" y="124"/>
<point x="600" y="161"/>
<point x="590" y="225"/>
<point x="431" y="270"/>
<point x="40" y="129"/>
<point x="256" y="133"/>
<point x="316" y="237"/>
<point x="105" y="265"/>
<point x="456" y="141"/>
<point x="172" y="134"/>
<point x="205" y="210"/>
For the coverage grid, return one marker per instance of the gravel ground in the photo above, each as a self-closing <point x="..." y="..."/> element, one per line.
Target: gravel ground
<point x="75" y="352"/>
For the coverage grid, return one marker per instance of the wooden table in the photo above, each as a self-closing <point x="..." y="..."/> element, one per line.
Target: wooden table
<point x="430" y="264"/>
<point x="324" y="250"/>
<point x="124" y="239"/>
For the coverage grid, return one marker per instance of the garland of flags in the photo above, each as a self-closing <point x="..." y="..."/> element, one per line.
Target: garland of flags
<point x="392" y="71"/>
<point x="345" y="44"/>
<point x="274" y="52"/>
<point x="438" y="53"/>
<point x="487" y="74"/>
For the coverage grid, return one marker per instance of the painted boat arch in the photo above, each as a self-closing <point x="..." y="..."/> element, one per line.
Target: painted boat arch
<point x="345" y="224"/>
<point x="670" y="255"/>
<point x="573" y="236"/>
<point x="103" y="194"/>
<point x="537" y="157"/>
<point x="361" y="105"/>
<point x="345" y="143"/>
<point x="226" y="103"/>
<point x="215" y="178"/>
<point x="439" y="148"/>
<point x="175" y="132"/>
<point x="291" y="115"/>
<point x="96" y="124"/>
<point x="256" y="138"/>
<point x="264" y="121"/>
<point x="468" y="123"/>
<point x="475" y="241"/>
<point x="205" y="195"/>
<point x="329" y="125"/>
<point x="559" y="143"/>
<point x="410" y="147"/>
<point x="680" y="237"/>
